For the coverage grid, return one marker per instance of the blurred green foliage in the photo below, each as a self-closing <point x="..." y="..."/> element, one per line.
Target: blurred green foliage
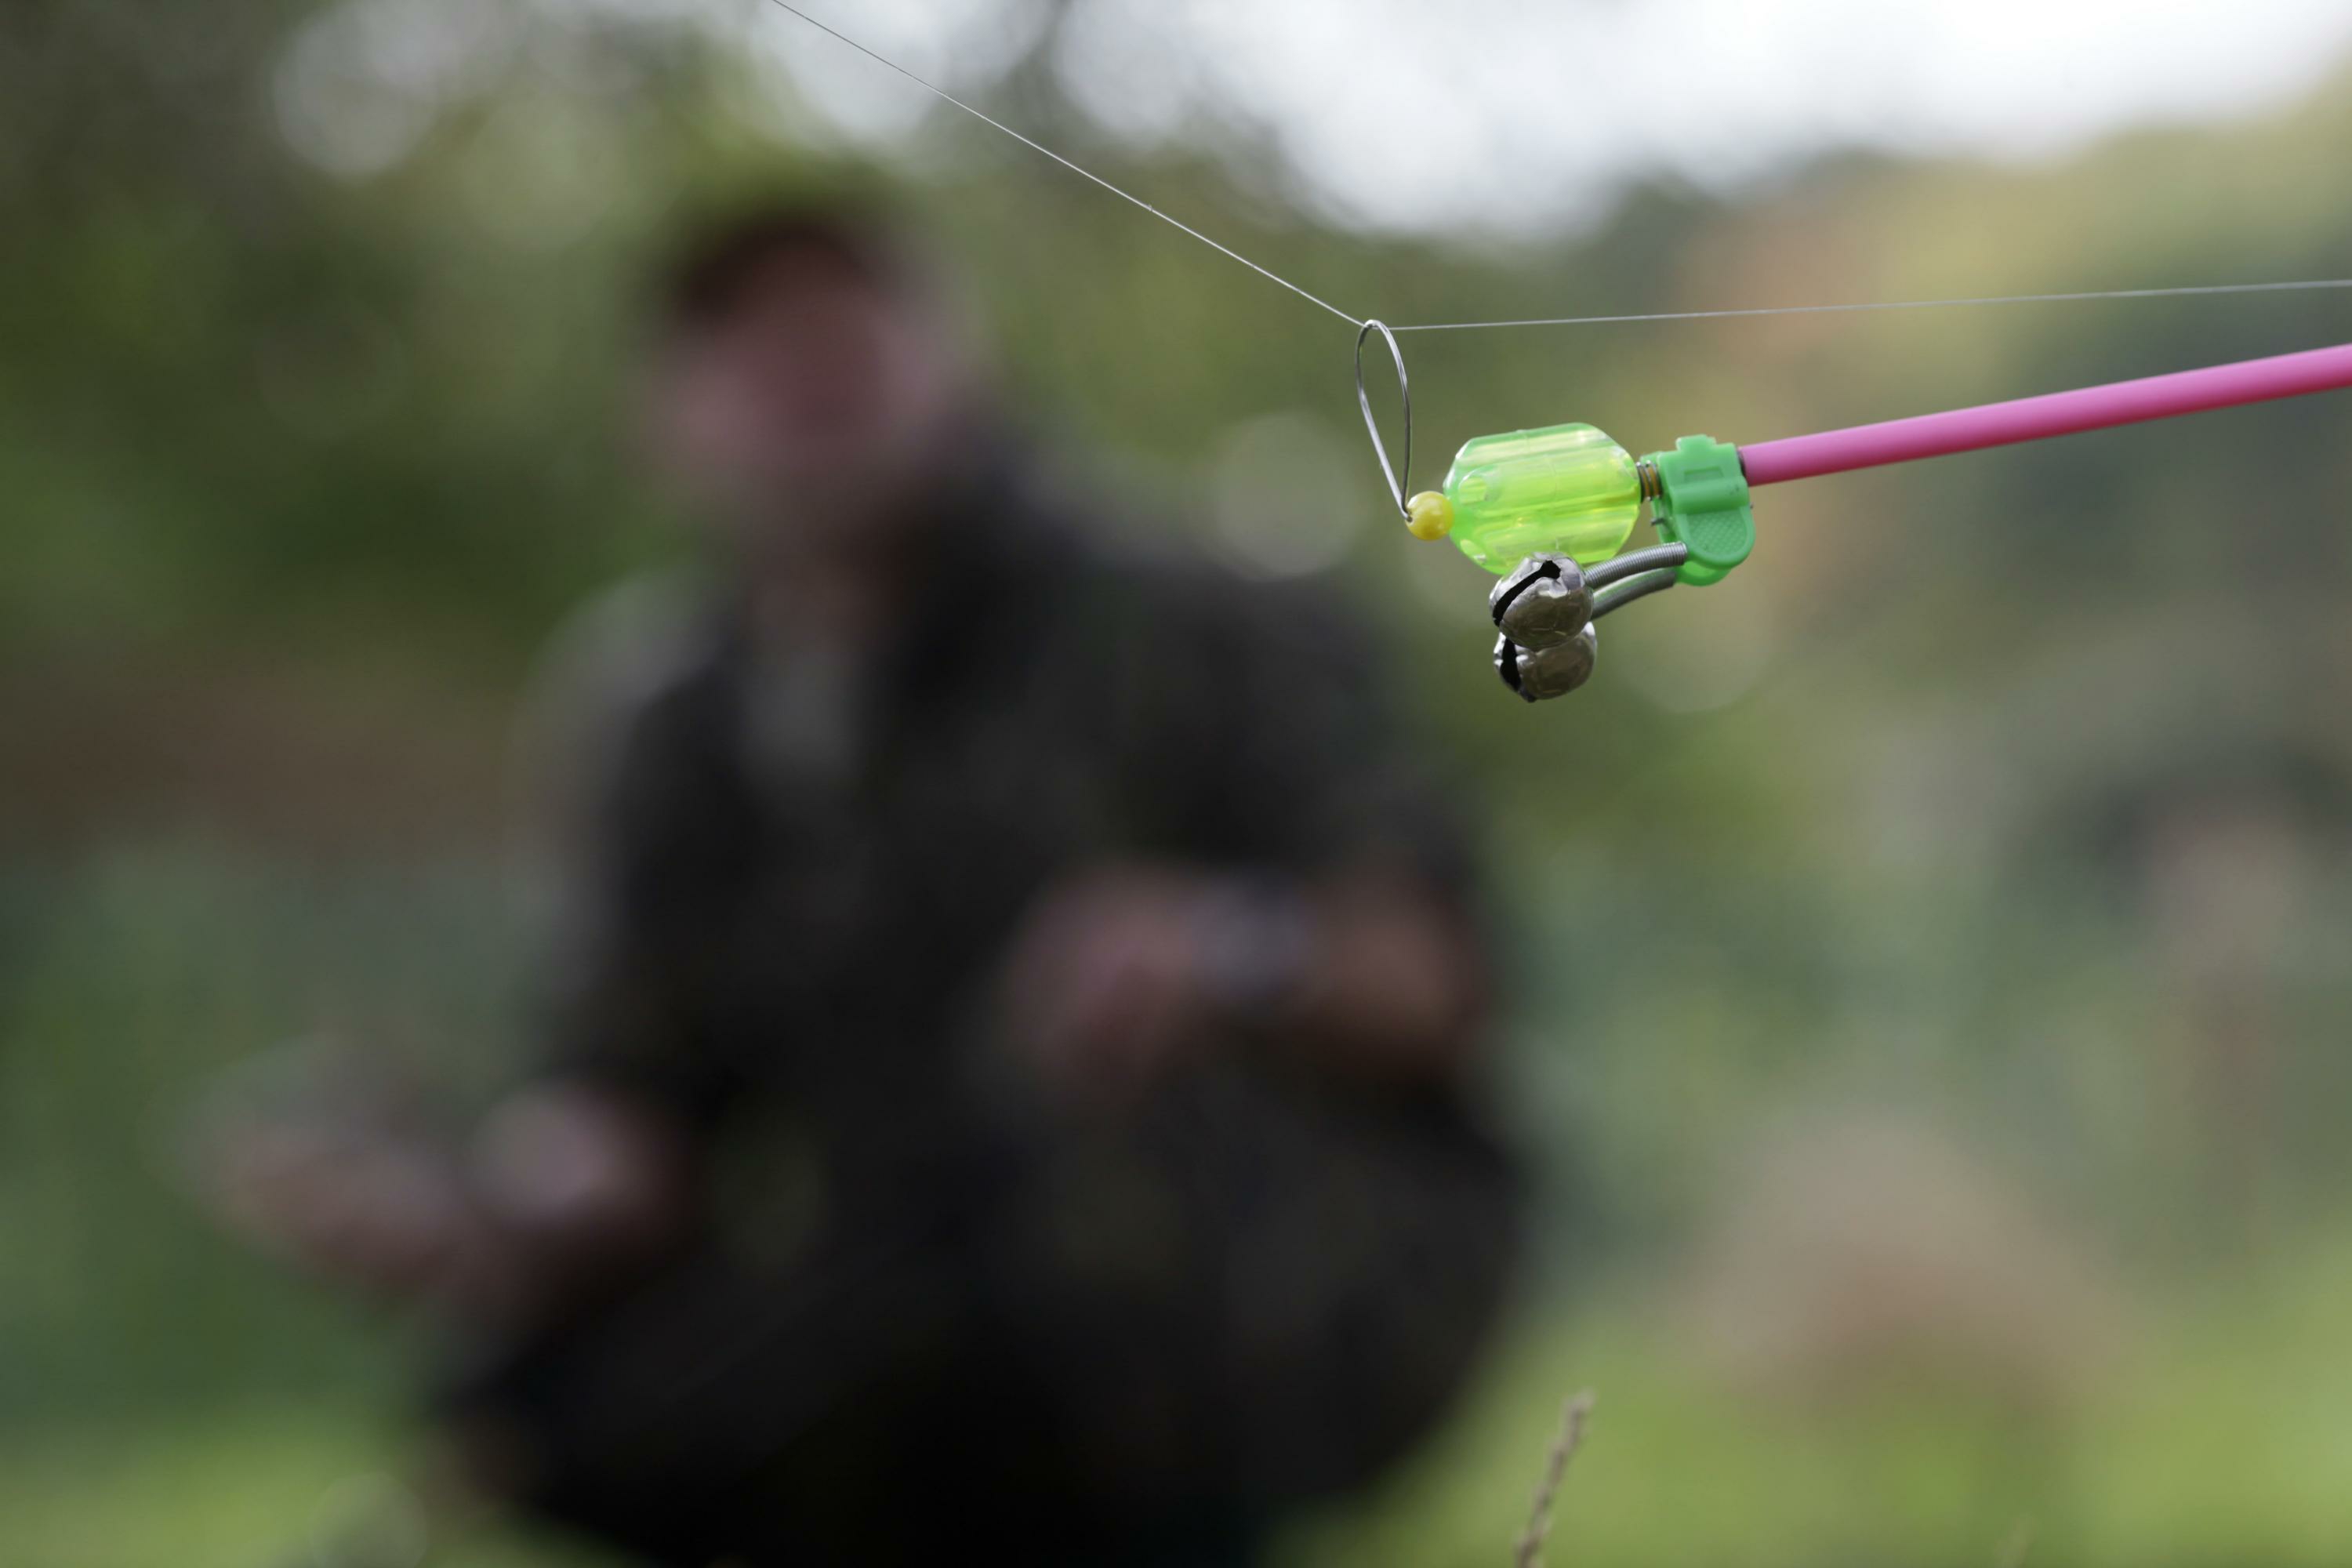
<point x="1952" y="908"/>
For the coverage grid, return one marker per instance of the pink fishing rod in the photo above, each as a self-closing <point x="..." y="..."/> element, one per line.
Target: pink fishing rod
<point x="1560" y="502"/>
<point x="2055" y="414"/>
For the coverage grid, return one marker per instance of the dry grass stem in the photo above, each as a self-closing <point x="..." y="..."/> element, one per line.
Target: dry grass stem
<point x="1529" y="1553"/>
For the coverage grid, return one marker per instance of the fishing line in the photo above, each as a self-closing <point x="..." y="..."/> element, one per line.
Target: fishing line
<point x="1360" y="323"/>
<point x="942" y="94"/>
<point x="2171" y="293"/>
<point x="1560" y="502"/>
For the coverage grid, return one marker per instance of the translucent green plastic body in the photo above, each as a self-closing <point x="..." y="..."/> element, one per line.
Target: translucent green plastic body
<point x="1565" y="488"/>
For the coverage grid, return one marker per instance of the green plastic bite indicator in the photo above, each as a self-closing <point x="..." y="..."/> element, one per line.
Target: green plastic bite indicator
<point x="1568" y="490"/>
<point x="1565" y="488"/>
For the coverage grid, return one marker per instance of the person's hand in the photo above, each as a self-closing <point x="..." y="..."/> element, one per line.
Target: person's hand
<point x="563" y="1186"/>
<point x="1107" y="982"/>
<point x="1118" y="973"/>
<point x="362" y="1208"/>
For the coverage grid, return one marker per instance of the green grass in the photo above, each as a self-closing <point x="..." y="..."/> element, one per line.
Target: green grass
<point x="232" y="1487"/>
<point x="2223" y="1435"/>
<point x="166" y="1399"/>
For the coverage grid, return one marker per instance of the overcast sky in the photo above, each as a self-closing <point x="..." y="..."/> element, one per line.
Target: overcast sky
<point x="1413" y="115"/>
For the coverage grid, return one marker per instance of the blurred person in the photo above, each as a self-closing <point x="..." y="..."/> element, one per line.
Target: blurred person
<point x="1014" y="1010"/>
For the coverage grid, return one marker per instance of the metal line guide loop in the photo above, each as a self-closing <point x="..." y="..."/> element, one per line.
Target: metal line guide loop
<point x="1400" y="476"/>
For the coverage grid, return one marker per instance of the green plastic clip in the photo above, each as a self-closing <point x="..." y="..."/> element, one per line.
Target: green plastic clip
<point x="1701" y="503"/>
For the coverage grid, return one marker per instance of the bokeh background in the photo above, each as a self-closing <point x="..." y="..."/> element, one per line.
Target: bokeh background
<point x="1932" y="950"/>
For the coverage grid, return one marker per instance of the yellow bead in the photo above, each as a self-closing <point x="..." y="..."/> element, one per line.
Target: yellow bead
<point x="1429" y="515"/>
